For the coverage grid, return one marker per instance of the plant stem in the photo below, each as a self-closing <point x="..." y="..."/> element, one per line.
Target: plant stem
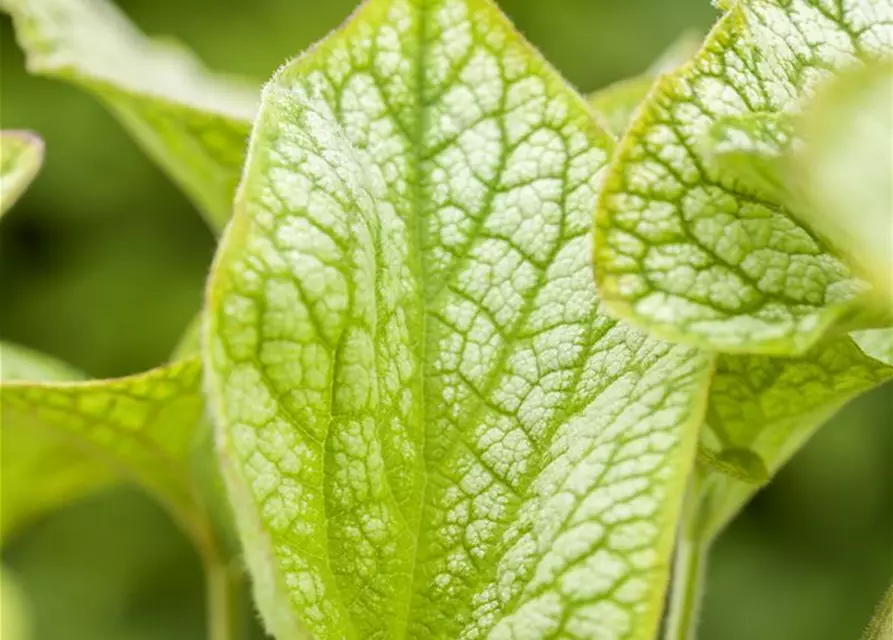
<point x="689" y="566"/>
<point x="225" y="604"/>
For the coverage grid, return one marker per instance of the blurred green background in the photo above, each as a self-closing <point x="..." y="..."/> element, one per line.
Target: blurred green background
<point x="102" y="264"/>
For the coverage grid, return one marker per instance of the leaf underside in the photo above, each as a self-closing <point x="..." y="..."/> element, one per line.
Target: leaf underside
<point x="428" y="426"/>
<point x="21" y="154"/>
<point x="64" y="439"/>
<point x="696" y="256"/>
<point x="764" y="409"/>
<point x="193" y="123"/>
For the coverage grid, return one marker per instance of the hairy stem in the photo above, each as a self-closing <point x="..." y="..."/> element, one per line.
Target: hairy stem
<point x="225" y="603"/>
<point x="689" y="567"/>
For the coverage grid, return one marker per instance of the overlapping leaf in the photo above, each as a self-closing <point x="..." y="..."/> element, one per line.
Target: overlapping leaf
<point x="750" y="151"/>
<point x="696" y="255"/>
<point x="65" y="439"/>
<point x="845" y="171"/>
<point x="617" y="102"/>
<point x="193" y="123"/>
<point x="428" y="426"/>
<point x="21" y="154"/>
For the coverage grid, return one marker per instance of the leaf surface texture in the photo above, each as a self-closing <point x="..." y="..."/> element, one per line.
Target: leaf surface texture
<point x="428" y="426"/>
<point x="696" y="255"/>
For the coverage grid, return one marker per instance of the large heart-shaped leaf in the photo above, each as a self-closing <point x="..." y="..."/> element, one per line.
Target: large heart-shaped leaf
<point x="428" y="426"/>
<point x="693" y="253"/>
<point x="193" y="123"/>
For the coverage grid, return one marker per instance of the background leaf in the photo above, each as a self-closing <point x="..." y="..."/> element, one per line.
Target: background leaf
<point x="618" y="101"/>
<point x="427" y="424"/>
<point x="21" y="154"/>
<point x="193" y="123"/>
<point x="63" y="440"/>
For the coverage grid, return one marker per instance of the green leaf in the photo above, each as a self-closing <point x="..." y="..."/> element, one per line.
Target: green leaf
<point x="767" y="408"/>
<point x="617" y="102"/>
<point x="881" y="627"/>
<point x="681" y="247"/>
<point x="846" y="171"/>
<point x="427" y="425"/>
<point x="21" y="154"/>
<point x="20" y="363"/>
<point x="751" y="151"/>
<point x="39" y="474"/>
<point x="65" y="439"/>
<point x="194" y="124"/>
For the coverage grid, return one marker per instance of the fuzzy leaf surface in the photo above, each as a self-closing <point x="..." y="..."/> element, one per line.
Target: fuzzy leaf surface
<point x="428" y="427"/>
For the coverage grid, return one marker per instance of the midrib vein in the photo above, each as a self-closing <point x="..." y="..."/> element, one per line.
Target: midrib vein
<point x="418" y="232"/>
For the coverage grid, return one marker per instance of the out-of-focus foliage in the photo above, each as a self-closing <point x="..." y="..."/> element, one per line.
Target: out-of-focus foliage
<point x="102" y="263"/>
<point x="21" y="153"/>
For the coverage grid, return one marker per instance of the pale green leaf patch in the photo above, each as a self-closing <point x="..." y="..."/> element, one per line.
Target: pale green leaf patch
<point x="192" y="122"/>
<point x="878" y="343"/>
<point x="427" y="425"/>
<point x="752" y="151"/>
<point x="617" y="102"/>
<point x="845" y="171"/>
<point x="21" y="155"/>
<point x="684" y="249"/>
<point x="39" y="474"/>
<point x="15" y="621"/>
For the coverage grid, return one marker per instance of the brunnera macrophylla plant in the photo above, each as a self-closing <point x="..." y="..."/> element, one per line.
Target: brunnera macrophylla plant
<point x="480" y="358"/>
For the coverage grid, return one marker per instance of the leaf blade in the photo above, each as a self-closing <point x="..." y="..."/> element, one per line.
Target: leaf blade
<point x="845" y="171"/>
<point x="377" y="311"/>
